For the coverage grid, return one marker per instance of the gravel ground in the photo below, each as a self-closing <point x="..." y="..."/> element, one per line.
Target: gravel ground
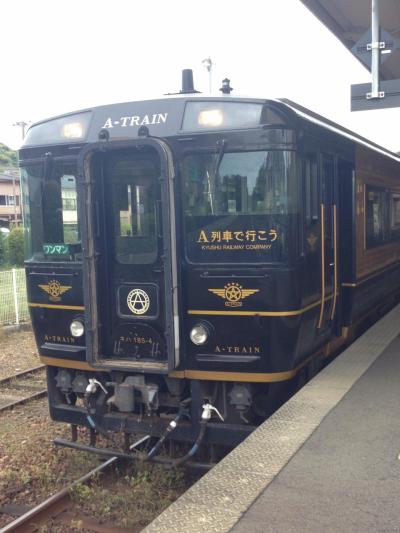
<point x="18" y="352"/>
<point x="32" y="468"/>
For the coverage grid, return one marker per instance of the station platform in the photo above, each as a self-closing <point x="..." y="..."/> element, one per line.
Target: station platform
<point x="327" y="460"/>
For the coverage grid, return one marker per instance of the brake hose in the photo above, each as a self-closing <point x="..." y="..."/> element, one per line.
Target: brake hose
<point x="169" y="429"/>
<point x="91" y="389"/>
<point x="205" y="417"/>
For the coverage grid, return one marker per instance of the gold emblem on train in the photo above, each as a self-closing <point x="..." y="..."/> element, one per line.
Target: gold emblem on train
<point x="233" y="294"/>
<point x="54" y="289"/>
<point x="138" y="301"/>
<point x="312" y="241"/>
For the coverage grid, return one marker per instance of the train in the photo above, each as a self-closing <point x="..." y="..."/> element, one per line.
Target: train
<point x="192" y="259"/>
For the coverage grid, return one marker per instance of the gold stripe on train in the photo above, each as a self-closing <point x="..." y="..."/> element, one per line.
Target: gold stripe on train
<point x="295" y="312"/>
<point x="56" y="306"/>
<point x="253" y="377"/>
<point x="69" y="363"/>
<point x="379" y="272"/>
<point x="210" y="375"/>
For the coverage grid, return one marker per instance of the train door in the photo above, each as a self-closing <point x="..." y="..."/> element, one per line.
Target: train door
<point x="132" y="307"/>
<point x="329" y="243"/>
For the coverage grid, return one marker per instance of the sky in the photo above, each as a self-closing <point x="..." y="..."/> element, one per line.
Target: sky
<point x="61" y="56"/>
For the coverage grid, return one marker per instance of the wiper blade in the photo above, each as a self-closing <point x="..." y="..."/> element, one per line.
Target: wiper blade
<point x="47" y="166"/>
<point x="222" y="147"/>
<point x="211" y="179"/>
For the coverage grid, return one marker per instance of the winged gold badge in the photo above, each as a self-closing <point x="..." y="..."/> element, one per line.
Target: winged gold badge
<point x="54" y="289"/>
<point x="233" y="294"/>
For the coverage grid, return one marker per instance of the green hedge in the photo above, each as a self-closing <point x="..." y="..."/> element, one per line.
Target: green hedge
<point x="3" y="249"/>
<point x="15" y="247"/>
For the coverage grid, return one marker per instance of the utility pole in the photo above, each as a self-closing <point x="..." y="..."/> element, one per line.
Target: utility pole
<point x="15" y="201"/>
<point x="22" y="124"/>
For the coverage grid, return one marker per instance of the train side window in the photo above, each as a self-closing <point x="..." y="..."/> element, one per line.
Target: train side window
<point x="60" y="215"/>
<point x="310" y="176"/>
<point x="375" y="216"/>
<point x="394" y="216"/>
<point x="71" y="234"/>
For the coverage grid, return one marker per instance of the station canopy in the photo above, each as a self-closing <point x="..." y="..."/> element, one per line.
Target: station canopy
<point x="350" y="19"/>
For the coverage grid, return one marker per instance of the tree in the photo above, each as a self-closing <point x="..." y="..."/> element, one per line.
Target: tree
<point x="8" y="157"/>
<point x="2" y="249"/>
<point x="15" y="247"/>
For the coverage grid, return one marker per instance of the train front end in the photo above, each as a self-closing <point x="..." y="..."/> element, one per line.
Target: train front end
<point x="163" y="265"/>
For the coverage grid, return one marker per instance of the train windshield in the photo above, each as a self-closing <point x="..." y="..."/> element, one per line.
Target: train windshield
<point x="239" y="207"/>
<point x="52" y="230"/>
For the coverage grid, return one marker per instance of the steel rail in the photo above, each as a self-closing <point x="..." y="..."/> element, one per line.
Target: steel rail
<point x="35" y="396"/>
<point x="9" y="381"/>
<point x="33" y="370"/>
<point x="59" y="502"/>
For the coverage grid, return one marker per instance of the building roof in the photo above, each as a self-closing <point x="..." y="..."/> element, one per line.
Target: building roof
<point x="4" y="176"/>
<point x="350" y="19"/>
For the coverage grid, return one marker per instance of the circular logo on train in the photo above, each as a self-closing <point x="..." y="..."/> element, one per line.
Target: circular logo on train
<point x="138" y="301"/>
<point x="233" y="292"/>
<point x="54" y="288"/>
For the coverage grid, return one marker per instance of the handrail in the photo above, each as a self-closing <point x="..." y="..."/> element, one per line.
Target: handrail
<point x="321" y="313"/>
<point x="335" y="286"/>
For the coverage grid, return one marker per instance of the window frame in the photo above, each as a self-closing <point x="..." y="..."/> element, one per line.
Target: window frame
<point x="27" y="206"/>
<point x="390" y="234"/>
<point x="294" y="211"/>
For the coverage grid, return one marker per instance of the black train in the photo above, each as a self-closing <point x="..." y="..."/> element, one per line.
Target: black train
<point x="192" y="258"/>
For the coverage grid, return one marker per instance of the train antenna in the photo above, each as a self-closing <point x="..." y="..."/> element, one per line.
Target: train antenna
<point x="187" y="82"/>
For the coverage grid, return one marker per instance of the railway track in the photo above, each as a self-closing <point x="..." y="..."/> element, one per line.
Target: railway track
<point x="22" y="387"/>
<point x="61" y="503"/>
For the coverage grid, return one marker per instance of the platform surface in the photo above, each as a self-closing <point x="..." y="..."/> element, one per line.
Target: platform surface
<point x="327" y="461"/>
<point x="346" y="477"/>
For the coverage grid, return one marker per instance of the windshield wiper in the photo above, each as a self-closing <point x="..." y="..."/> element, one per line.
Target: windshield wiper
<point x="47" y="166"/>
<point x="211" y="179"/>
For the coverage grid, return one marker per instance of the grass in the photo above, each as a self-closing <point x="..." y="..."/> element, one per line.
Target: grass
<point x="9" y="266"/>
<point x="133" y="499"/>
<point x="31" y="469"/>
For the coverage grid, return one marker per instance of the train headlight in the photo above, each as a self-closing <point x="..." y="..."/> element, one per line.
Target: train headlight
<point x="76" y="328"/>
<point x="72" y="130"/>
<point x="199" y="334"/>
<point x="211" y="117"/>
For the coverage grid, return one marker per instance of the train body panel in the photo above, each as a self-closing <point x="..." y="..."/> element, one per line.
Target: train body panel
<point x="193" y="253"/>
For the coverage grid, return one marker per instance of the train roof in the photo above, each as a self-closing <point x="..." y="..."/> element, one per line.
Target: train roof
<point x="311" y="116"/>
<point x="165" y="117"/>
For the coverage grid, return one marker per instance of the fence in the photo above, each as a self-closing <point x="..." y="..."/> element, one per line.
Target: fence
<point x="13" y="302"/>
